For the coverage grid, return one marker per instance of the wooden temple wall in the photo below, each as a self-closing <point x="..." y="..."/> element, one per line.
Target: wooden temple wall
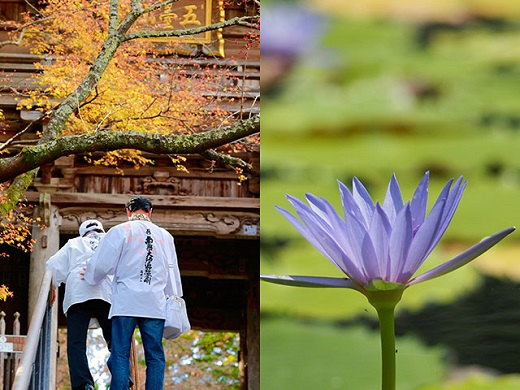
<point x="153" y="180"/>
<point x="214" y="218"/>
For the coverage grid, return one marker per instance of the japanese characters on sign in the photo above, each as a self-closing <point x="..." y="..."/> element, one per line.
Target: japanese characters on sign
<point x="188" y="14"/>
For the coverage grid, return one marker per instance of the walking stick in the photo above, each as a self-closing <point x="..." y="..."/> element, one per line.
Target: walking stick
<point x="134" y="365"/>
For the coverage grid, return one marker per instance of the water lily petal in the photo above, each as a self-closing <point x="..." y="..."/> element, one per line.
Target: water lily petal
<point x="309" y="281"/>
<point x="357" y="231"/>
<point x="350" y="207"/>
<point x="423" y="241"/>
<point x="318" y="205"/>
<point x="358" y="209"/>
<point x="443" y="195"/>
<point x="452" y="202"/>
<point x="464" y="258"/>
<point x="371" y="262"/>
<point x="309" y="217"/>
<point x="420" y="200"/>
<point x="356" y="226"/>
<point x="302" y="229"/>
<point x="399" y="244"/>
<point x="309" y="236"/>
<point x="375" y="245"/>
<point x="340" y="231"/>
<point x="320" y="234"/>
<point x="336" y="253"/>
<point x="347" y="237"/>
<point x="393" y="202"/>
<point x="363" y="200"/>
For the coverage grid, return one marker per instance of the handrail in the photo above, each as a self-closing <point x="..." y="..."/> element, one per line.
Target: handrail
<point x="37" y="335"/>
<point x="33" y="372"/>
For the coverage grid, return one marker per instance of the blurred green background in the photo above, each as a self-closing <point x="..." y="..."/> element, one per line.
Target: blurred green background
<point x="393" y="87"/>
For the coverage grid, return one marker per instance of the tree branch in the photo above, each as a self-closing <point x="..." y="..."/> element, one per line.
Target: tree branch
<point x="158" y="5"/>
<point x="19" y="134"/>
<point x="24" y="166"/>
<point x="226" y="159"/>
<point x="21" y="29"/>
<point x="14" y="43"/>
<point x="32" y="157"/>
<point x="15" y="192"/>
<point x="113" y="16"/>
<point x="244" y="20"/>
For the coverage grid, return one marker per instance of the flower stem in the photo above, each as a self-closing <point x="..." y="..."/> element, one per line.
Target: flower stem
<point x="387" y="329"/>
<point x="385" y="302"/>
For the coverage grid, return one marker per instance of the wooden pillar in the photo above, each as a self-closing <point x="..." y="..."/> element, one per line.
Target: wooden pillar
<point x="47" y="243"/>
<point x="253" y="335"/>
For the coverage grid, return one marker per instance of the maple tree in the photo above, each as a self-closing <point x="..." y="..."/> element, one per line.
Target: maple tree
<point x="4" y="293"/>
<point x="104" y="87"/>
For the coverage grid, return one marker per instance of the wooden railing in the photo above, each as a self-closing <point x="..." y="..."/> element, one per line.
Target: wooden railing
<point x="10" y="350"/>
<point x="34" y="370"/>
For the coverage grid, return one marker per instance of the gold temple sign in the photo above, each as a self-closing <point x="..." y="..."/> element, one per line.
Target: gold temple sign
<point x="188" y="14"/>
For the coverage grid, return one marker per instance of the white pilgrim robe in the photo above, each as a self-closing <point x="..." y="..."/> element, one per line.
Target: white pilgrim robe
<point x="69" y="262"/>
<point x="138" y="254"/>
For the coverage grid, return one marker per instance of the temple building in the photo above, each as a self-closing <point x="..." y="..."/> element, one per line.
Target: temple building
<point x="212" y="213"/>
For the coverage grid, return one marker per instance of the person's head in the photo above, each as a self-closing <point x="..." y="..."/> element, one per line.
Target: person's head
<point x="90" y="226"/>
<point x="139" y="205"/>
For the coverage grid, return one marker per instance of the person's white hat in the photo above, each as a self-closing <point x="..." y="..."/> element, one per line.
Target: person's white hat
<point x="90" y="225"/>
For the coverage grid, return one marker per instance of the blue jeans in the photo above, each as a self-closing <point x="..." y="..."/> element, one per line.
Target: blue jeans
<point x="151" y="330"/>
<point x="78" y="319"/>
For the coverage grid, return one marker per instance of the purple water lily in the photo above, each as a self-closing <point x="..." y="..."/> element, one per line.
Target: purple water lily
<point x="289" y="33"/>
<point x="291" y="30"/>
<point x="380" y="246"/>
